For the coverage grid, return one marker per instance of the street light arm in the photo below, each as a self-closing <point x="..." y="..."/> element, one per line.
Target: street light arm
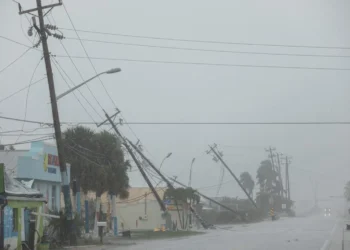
<point x="111" y="71"/>
<point x="77" y="86"/>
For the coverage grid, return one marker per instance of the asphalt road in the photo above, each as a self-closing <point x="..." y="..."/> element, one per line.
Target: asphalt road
<point x="309" y="233"/>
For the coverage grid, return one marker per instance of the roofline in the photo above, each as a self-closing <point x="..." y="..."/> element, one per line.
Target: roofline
<point x="21" y="198"/>
<point x="19" y="150"/>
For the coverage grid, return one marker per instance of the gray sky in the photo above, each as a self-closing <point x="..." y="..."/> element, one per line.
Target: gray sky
<point x="190" y="93"/>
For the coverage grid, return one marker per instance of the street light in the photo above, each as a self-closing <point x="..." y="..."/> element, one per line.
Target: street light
<point x="166" y="157"/>
<point x="111" y="71"/>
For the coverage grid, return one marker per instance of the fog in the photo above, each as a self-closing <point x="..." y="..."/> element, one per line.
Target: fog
<point x="173" y="92"/>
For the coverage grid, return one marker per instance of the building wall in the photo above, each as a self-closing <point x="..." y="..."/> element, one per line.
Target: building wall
<point x="31" y="164"/>
<point x="10" y="158"/>
<point x="129" y="214"/>
<point x="51" y="192"/>
<point x="15" y="225"/>
<point x="10" y="236"/>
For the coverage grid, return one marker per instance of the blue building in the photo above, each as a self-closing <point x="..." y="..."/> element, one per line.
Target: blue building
<point x="39" y="164"/>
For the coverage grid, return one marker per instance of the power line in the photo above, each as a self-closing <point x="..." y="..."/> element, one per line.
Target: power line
<point x="19" y="43"/>
<point x="210" y="50"/>
<point x="81" y="76"/>
<point x="211" y="64"/>
<point x="10" y="135"/>
<point x="24" y="34"/>
<point x="237" y="123"/>
<point x="87" y="55"/>
<point x="20" y="90"/>
<point x="210" y="41"/>
<point x="25" y="52"/>
<point x="83" y="156"/>
<point x="26" y="103"/>
<point x="45" y="138"/>
<point x="27" y="121"/>
<point x="98" y="155"/>
<point x="24" y="131"/>
<point x="214" y="186"/>
<point x="56" y="65"/>
<point x="187" y="123"/>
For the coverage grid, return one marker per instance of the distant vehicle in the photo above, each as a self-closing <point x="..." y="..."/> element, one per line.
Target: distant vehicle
<point x="327" y="212"/>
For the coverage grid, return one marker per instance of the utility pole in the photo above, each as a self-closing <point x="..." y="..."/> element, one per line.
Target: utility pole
<point x="271" y="156"/>
<point x="287" y="178"/>
<point x="208" y="198"/>
<point x="279" y="172"/>
<point x="56" y="120"/>
<point x="190" y="179"/>
<point x="170" y="186"/>
<point x="160" y="202"/>
<point x="218" y="156"/>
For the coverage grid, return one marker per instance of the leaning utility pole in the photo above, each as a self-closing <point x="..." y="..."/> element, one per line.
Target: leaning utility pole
<point x="160" y="202"/>
<point x="190" y="178"/>
<point x="287" y="178"/>
<point x="234" y="176"/>
<point x="56" y="120"/>
<point x="171" y="186"/>
<point x="279" y="172"/>
<point x="271" y="156"/>
<point x="208" y="198"/>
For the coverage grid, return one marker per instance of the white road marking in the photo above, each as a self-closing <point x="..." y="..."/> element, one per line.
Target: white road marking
<point x="325" y="245"/>
<point x="334" y="228"/>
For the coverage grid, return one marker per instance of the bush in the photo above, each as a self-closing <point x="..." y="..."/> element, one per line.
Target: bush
<point x="58" y="227"/>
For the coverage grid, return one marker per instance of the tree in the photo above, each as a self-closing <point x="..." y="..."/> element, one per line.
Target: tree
<point x="185" y="196"/>
<point x="267" y="177"/>
<point x="347" y="191"/>
<point x="79" y="147"/>
<point x="98" y="161"/>
<point x="115" y="168"/>
<point x="247" y="182"/>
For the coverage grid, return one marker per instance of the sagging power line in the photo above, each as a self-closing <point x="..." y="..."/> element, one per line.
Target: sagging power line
<point x="185" y="123"/>
<point x="209" y="50"/>
<point x="210" y="64"/>
<point x="210" y="41"/>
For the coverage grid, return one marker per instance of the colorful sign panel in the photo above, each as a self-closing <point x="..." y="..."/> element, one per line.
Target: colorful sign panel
<point x="51" y="160"/>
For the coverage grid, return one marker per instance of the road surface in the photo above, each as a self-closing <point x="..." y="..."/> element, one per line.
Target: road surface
<point x="310" y="233"/>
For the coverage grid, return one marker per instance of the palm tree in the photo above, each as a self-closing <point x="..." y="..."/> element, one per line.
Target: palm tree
<point x="266" y="176"/>
<point x="113" y="176"/>
<point x="347" y="191"/>
<point x="185" y="196"/>
<point x="247" y="182"/>
<point x="78" y="143"/>
<point x="98" y="161"/>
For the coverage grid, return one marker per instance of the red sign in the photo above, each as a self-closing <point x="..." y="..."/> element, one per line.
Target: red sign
<point x="52" y="160"/>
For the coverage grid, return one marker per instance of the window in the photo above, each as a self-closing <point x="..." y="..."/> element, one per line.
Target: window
<point x="14" y="220"/>
<point x="53" y="197"/>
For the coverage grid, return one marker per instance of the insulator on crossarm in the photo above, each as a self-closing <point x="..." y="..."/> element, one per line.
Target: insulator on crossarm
<point x="51" y="27"/>
<point x="58" y="36"/>
<point x="30" y="31"/>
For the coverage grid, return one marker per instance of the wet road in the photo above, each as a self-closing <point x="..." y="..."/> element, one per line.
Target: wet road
<point x="287" y="233"/>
